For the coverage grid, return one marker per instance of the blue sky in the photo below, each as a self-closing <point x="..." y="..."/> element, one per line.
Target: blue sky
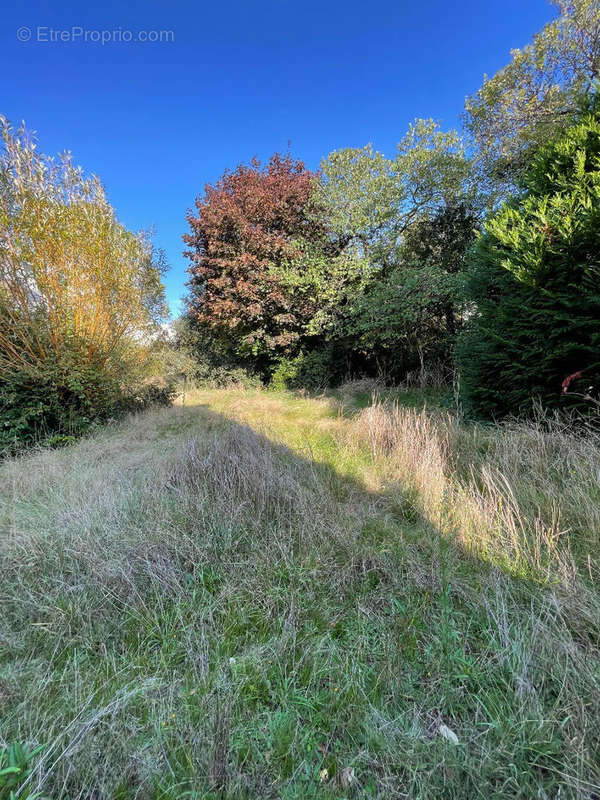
<point x="157" y="121"/>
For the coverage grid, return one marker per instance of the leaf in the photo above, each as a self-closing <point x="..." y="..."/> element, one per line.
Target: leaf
<point x="448" y="734"/>
<point x="10" y="771"/>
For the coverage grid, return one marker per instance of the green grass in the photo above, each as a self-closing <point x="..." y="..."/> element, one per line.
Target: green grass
<point x="258" y="595"/>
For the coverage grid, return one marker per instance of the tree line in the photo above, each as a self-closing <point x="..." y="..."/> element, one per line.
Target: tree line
<point x="469" y="256"/>
<point x="468" y="253"/>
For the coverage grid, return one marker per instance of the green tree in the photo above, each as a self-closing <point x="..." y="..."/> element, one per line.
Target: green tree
<point x="535" y="285"/>
<point x="440" y="244"/>
<point x="537" y="93"/>
<point x="373" y="200"/>
<point x="406" y="223"/>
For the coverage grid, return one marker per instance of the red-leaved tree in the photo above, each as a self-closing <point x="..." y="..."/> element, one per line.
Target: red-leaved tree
<point x="250" y="233"/>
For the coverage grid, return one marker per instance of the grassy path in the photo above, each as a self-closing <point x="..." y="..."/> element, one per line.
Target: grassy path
<point x="266" y="596"/>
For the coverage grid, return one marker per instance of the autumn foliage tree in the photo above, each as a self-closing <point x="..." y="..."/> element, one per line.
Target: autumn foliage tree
<point x="80" y="295"/>
<point x="257" y="246"/>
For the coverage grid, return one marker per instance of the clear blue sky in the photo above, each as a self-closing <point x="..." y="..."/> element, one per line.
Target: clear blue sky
<point x="156" y="121"/>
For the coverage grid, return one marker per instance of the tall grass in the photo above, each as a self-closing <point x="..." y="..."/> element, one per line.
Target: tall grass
<point x="521" y="493"/>
<point x="261" y="595"/>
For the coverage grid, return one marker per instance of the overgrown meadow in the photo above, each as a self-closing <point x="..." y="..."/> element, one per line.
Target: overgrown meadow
<point x="261" y="595"/>
<point x="358" y="556"/>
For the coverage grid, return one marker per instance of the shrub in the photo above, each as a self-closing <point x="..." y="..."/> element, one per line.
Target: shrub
<point x="80" y="298"/>
<point x="196" y="358"/>
<point x="52" y="399"/>
<point x="314" y="370"/>
<point x="536" y="284"/>
<point x="148" y="395"/>
<point x="56" y="402"/>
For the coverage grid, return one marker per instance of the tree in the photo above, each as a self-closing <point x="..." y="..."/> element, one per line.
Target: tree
<point x="406" y="222"/>
<point x="535" y="286"/>
<point x="374" y="200"/>
<point x="80" y="295"/>
<point x="410" y="315"/>
<point x="537" y="94"/>
<point x="440" y="243"/>
<point x="258" y="245"/>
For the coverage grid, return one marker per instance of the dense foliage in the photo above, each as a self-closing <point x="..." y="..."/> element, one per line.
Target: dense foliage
<point x="80" y="297"/>
<point x="258" y="245"/>
<point x="372" y="266"/>
<point x="535" y="330"/>
<point x="536" y="94"/>
<point x="375" y="265"/>
<point x="308" y="278"/>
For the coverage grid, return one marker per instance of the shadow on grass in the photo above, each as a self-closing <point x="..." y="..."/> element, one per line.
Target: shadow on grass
<point x="293" y="627"/>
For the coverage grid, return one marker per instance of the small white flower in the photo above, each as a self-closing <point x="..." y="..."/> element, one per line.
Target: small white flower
<point x="232" y="662"/>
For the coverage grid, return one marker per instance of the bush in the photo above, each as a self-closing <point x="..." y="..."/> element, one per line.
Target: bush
<point x="315" y="371"/>
<point x="54" y="403"/>
<point x="148" y="395"/>
<point x="197" y="358"/>
<point x="81" y="299"/>
<point x="535" y="334"/>
<point x="52" y="399"/>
